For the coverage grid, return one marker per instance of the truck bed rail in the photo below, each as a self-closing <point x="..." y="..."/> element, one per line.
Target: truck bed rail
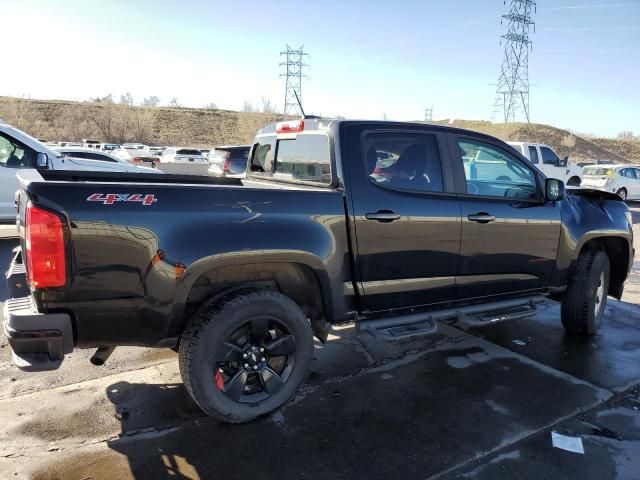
<point x="125" y="177"/>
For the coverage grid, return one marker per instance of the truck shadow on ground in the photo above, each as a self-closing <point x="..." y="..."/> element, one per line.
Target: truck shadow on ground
<point x="430" y="411"/>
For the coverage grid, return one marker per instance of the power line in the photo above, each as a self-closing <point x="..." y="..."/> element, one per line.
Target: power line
<point x="294" y="73"/>
<point x="512" y="92"/>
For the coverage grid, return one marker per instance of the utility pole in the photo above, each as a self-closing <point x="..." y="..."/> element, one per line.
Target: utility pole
<point x="512" y="93"/>
<point x="294" y="72"/>
<point x="428" y="114"/>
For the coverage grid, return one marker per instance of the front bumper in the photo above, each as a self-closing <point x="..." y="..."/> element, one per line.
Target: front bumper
<point x="39" y="341"/>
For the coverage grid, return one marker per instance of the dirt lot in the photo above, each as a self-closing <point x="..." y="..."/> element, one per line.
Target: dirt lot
<point x="465" y="403"/>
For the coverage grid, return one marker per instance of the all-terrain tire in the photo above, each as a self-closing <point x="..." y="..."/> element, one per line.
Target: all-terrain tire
<point x="211" y="326"/>
<point x="584" y="301"/>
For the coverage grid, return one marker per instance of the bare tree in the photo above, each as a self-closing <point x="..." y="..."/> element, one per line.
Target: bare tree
<point x="174" y="103"/>
<point x="121" y="122"/>
<point x="141" y="124"/>
<point x="152" y="101"/>
<point x="248" y="107"/>
<point x="127" y="99"/>
<point x="626" y="135"/>
<point x="211" y="106"/>
<point x="103" y="117"/>
<point x="267" y="106"/>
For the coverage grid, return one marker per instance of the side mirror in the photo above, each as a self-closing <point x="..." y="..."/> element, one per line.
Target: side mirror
<point x="563" y="162"/>
<point x="42" y="161"/>
<point x="554" y="190"/>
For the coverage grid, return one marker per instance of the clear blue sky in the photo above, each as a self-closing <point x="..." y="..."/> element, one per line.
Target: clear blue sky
<point x="368" y="58"/>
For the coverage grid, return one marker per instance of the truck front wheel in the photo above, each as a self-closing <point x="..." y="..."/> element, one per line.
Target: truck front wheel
<point x="583" y="303"/>
<point x="245" y="355"/>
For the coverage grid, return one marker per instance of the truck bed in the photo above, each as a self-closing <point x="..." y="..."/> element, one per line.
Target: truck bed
<point x="136" y="267"/>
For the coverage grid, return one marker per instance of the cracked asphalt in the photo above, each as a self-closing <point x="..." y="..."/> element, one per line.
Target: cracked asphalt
<point x="477" y="403"/>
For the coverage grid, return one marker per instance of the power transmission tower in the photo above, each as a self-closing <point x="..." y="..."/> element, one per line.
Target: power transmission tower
<point x="512" y="94"/>
<point x="428" y="114"/>
<point x="294" y="72"/>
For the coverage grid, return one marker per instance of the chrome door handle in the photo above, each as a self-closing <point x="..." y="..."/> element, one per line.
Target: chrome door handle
<point x="383" y="216"/>
<point x="481" y="218"/>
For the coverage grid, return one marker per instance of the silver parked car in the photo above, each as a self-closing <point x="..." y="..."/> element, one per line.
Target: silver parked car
<point x="182" y="155"/>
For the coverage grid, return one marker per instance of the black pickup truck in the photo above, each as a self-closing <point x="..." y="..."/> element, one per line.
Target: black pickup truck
<point x="392" y="225"/>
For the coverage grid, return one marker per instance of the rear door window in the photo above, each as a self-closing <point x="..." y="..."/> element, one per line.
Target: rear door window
<point x="405" y="161"/>
<point x="185" y="151"/>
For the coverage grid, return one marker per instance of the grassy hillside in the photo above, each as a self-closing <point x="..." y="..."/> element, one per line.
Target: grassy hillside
<point x="63" y="120"/>
<point x="562" y="141"/>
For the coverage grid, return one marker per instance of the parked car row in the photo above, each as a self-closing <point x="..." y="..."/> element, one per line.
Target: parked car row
<point x="603" y="175"/>
<point x="19" y="151"/>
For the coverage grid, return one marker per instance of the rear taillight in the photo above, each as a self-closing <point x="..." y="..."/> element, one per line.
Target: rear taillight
<point x="225" y="167"/>
<point x="136" y="160"/>
<point x="46" y="264"/>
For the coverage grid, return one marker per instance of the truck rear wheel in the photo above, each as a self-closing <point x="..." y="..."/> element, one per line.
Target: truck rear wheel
<point x="246" y="355"/>
<point x="583" y="303"/>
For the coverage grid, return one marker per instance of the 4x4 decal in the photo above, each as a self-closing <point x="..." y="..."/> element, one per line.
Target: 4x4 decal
<point x="111" y="198"/>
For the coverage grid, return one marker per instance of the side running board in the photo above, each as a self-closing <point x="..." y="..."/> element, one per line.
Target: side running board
<point x="421" y="324"/>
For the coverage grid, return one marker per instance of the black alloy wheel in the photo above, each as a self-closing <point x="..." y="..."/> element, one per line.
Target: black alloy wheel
<point x="255" y="361"/>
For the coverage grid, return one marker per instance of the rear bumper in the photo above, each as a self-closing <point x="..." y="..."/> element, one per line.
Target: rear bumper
<point x="39" y="341"/>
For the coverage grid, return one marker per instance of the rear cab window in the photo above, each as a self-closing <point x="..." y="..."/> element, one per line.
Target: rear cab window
<point x="303" y="157"/>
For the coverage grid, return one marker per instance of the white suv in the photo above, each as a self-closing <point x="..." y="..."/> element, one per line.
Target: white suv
<point x="543" y="157"/>
<point x="182" y="155"/>
<point x="623" y="180"/>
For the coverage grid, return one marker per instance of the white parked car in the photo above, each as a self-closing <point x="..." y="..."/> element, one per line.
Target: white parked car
<point x="91" y="154"/>
<point x="543" y="157"/>
<point x="154" y="151"/>
<point x="623" y="180"/>
<point x="134" y="146"/>
<point x="182" y="155"/>
<point x="19" y="150"/>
